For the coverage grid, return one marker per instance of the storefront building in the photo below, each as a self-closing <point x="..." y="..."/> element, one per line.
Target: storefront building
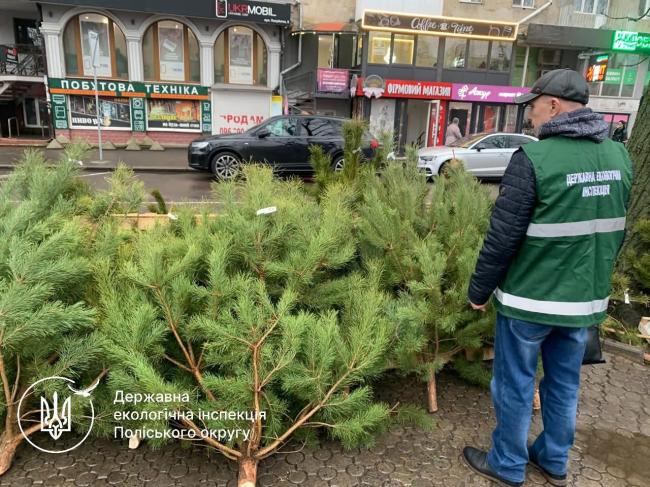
<point x="620" y="58"/>
<point x="173" y="73"/>
<point x="471" y="57"/>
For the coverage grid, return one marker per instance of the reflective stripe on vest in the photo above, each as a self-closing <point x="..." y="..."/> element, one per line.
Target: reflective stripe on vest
<point x="584" y="308"/>
<point x="573" y="229"/>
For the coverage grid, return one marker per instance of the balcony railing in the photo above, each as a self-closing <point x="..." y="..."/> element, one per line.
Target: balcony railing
<point x="22" y="60"/>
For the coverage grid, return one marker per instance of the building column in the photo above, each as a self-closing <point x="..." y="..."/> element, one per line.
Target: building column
<point x="53" y="50"/>
<point x="207" y="64"/>
<point x="134" y="52"/>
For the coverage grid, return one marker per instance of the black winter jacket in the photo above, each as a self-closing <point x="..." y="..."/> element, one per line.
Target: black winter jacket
<point x="512" y="213"/>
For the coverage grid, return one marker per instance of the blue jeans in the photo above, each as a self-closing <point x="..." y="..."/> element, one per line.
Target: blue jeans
<point x="517" y="348"/>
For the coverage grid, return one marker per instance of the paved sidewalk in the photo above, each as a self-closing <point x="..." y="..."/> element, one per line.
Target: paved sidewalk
<point x="144" y="160"/>
<point x="612" y="446"/>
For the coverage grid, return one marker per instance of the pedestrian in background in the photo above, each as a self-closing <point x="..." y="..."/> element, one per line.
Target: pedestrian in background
<point x="453" y="132"/>
<point x="620" y="133"/>
<point x="548" y="257"/>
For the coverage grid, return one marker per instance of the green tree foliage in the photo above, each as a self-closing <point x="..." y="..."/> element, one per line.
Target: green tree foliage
<point x="428" y="244"/>
<point x="263" y="309"/>
<point x="45" y="329"/>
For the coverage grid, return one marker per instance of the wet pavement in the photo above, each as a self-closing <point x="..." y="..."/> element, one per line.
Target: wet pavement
<point x="612" y="446"/>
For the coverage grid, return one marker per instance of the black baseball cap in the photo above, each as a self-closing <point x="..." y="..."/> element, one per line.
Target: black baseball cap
<point x="562" y="83"/>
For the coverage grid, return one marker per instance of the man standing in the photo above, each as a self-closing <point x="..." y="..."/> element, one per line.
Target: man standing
<point x="453" y="132"/>
<point x="554" y="235"/>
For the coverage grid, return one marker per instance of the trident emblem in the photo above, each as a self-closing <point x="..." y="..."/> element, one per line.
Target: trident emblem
<point x="52" y="421"/>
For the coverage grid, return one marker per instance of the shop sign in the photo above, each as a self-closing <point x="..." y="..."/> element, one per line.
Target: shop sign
<point x="74" y="86"/>
<point x="114" y="113"/>
<point x="442" y="26"/>
<point x="174" y="115"/>
<point x="332" y="80"/>
<point x="631" y="41"/>
<point x="206" y="117"/>
<point x="138" y="113"/>
<point x="400" y="88"/>
<point x="60" y="111"/>
<point x="487" y="93"/>
<point x="373" y="85"/>
<point x="614" y="75"/>
<point x="259" y="12"/>
<point x="597" y="69"/>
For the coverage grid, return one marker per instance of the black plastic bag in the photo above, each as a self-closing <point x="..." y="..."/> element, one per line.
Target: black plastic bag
<point x="593" y="352"/>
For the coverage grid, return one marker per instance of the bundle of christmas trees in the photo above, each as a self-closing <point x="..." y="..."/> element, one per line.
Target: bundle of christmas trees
<point x="245" y="331"/>
<point x="256" y="322"/>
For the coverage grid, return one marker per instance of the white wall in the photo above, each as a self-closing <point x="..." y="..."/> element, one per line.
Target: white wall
<point x="431" y="7"/>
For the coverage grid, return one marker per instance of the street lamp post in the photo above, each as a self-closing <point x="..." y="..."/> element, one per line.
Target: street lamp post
<point x="95" y="36"/>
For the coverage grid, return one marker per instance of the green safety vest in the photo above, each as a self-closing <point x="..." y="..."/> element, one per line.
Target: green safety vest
<point x="562" y="272"/>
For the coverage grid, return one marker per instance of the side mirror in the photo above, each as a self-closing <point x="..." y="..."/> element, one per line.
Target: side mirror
<point x="263" y="133"/>
<point x="479" y="147"/>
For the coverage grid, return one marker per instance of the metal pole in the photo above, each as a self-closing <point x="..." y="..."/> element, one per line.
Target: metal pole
<point x="523" y="74"/>
<point x="99" y="122"/>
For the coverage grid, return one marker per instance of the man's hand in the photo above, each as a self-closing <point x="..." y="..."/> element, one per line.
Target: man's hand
<point x="479" y="307"/>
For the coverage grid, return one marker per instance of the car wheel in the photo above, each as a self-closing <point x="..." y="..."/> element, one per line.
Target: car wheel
<point x="338" y="164"/>
<point x="225" y="166"/>
<point x="443" y="170"/>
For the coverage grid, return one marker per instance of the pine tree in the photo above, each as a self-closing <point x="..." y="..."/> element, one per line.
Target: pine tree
<point x="428" y="244"/>
<point x="45" y="329"/>
<point x="262" y="311"/>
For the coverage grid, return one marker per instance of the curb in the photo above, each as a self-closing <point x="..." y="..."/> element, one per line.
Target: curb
<point x="630" y="352"/>
<point x="100" y="167"/>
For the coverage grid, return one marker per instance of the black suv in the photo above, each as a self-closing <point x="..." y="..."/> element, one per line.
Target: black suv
<point x="281" y="141"/>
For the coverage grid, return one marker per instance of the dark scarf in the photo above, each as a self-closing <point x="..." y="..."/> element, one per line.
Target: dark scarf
<point x="580" y="123"/>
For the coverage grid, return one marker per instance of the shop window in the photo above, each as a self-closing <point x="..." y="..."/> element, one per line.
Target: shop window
<point x="427" y="51"/>
<point x="403" y="49"/>
<point x="523" y="3"/>
<point x="379" y="48"/>
<point x="26" y="32"/>
<point x="173" y="115"/>
<point x="325" y="51"/>
<point x="500" y="55"/>
<point x="240" y="57"/>
<point x="359" y="50"/>
<point x="170" y="52"/>
<point x="620" y="78"/>
<point x="478" y="54"/>
<point x="89" y="38"/>
<point x="455" y="52"/>
<point x="114" y="113"/>
<point x="591" y="6"/>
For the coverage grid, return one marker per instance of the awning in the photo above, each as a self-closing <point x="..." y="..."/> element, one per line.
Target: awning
<point x="559" y="36"/>
<point x="329" y="28"/>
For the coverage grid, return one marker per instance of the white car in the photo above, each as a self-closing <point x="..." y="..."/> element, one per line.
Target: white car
<point x="484" y="155"/>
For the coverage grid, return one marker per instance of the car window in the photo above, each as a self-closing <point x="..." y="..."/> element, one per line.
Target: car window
<point x="516" y="141"/>
<point x="319" y="127"/>
<point x="494" y="142"/>
<point x="283" y="127"/>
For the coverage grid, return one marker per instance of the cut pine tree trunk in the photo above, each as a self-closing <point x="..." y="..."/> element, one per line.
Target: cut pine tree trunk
<point x="432" y="395"/>
<point x="8" y="445"/>
<point x="247" y="472"/>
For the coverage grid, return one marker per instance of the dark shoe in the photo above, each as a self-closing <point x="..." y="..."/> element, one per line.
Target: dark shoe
<point x="477" y="461"/>
<point x="555" y="480"/>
